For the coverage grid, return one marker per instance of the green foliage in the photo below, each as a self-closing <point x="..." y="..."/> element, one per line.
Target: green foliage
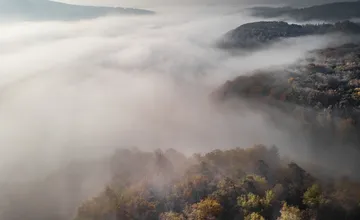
<point x="255" y="203"/>
<point x="269" y="198"/>
<point x="254" y="216"/>
<point x="314" y="197"/>
<point x="256" y="178"/>
<point x="250" y="202"/>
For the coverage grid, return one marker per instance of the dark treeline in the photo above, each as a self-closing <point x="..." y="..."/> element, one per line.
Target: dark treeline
<point x="328" y="83"/>
<point x="326" y="12"/>
<point x="256" y="34"/>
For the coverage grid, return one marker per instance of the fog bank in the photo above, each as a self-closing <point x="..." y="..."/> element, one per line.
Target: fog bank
<point x="80" y="90"/>
<point x="97" y="84"/>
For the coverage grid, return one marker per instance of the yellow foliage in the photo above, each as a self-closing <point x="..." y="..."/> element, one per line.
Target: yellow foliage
<point x="249" y="201"/>
<point x="207" y="208"/>
<point x="356" y="93"/>
<point x="254" y="216"/>
<point x="313" y="196"/>
<point x="289" y="213"/>
<point x="171" y="216"/>
<point x="256" y="178"/>
<point x="269" y="197"/>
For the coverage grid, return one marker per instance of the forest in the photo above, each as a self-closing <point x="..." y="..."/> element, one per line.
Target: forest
<point x="252" y="184"/>
<point x="325" y="12"/>
<point x="321" y="93"/>
<point x="116" y="113"/>
<point x="257" y="34"/>
<point x="256" y="183"/>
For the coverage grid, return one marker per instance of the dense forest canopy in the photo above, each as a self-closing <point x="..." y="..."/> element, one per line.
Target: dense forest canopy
<point x="253" y="183"/>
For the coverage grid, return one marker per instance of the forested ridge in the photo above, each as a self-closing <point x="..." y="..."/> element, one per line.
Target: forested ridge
<point x="253" y="183"/>
<point x="320" y="93"/>
<point x="323" y="90"/>
<point x="336" y="11"/>
<point x="257" y="34"/>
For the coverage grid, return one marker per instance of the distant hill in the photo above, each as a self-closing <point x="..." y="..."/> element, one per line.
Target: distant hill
<point x="252" y="35"/>
<point x="50" y="10"/>
<point x="327" y="12"/>
<point x="323" y="93"/>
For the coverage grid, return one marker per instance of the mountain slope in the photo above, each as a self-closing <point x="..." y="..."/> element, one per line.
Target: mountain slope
<point x="252" y="35"/>
<point x="253" y="183"/>
<point x="326" y="12"/>
<point x="50" y="10"/>
<point x="322" y="93"/>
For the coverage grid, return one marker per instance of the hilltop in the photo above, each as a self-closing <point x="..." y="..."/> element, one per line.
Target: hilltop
<point x="321" y="93"/>
<point x="50" y="10"/>
<point x="326" y="12"/>
<point x="253" y="183"/>
<point x="256" y="34"/>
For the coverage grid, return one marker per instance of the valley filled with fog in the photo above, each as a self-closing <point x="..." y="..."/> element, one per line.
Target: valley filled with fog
<point x="91" y="86"/>
<point x="75" y="91"/>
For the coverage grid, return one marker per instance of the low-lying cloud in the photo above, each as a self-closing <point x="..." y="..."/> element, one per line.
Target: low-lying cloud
<point x="78" y="90"/>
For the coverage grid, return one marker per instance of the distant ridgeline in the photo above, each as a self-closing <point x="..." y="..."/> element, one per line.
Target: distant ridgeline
<point x="252" y="35"/>
<point x="50" y="10"/>
<point x="327" y="12"/>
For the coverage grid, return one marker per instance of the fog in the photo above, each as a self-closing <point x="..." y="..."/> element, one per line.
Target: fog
<point x="72" y="91"/>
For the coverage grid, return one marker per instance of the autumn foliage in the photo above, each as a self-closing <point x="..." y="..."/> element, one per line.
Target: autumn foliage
<point x="253" y="183"/>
